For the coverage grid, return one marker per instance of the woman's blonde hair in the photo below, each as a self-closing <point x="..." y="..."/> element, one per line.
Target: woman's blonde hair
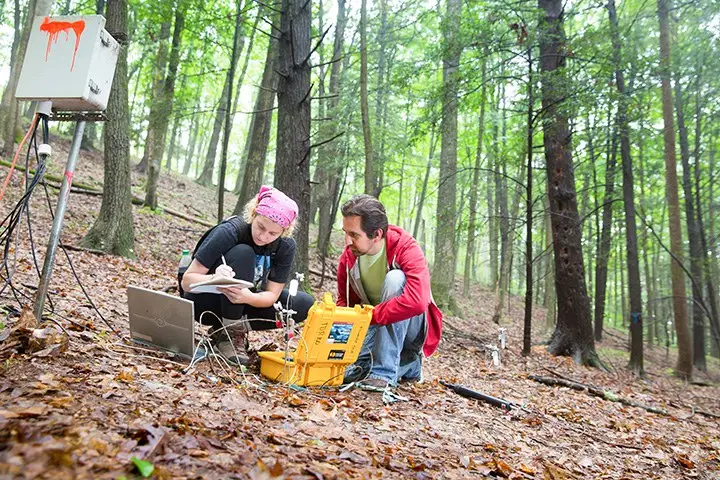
<point x="249" y="215"/>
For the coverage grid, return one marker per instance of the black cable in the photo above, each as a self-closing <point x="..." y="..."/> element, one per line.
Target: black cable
<point x="72" y="268"/>
<point x="12" y="220"/>
<point x="27" y="211"/>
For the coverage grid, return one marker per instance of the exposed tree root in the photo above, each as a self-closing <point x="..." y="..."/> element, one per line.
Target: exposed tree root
<point x="598" y="392"/>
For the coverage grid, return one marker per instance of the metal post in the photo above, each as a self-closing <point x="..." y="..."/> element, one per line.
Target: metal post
<point x="57" y="222"/>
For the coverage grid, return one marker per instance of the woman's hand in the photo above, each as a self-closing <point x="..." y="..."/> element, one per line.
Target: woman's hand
<point x="238" y="295"/>
<point x="225" y="271"/>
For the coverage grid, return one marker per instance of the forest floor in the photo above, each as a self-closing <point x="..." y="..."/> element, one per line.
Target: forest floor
<point x="85" y="406"/>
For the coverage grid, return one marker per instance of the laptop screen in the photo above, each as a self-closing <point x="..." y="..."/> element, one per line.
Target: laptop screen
<point x="161" y="320"/>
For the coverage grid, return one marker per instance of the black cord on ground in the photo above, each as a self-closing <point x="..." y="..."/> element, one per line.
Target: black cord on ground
<point x="72" y="267"/>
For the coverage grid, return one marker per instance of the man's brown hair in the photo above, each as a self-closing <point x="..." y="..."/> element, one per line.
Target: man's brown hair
<point x="371" y="212"/>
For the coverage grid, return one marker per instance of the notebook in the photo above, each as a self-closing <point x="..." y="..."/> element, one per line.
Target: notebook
<point x="161" y="320"/>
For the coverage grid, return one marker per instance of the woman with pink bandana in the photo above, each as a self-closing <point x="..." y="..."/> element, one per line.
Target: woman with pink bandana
<point x="257" y="248"/>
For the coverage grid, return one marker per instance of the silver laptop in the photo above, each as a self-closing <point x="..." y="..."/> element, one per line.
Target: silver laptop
<point x="161" y="320"/>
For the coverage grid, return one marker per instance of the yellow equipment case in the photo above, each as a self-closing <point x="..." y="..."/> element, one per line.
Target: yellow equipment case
<point x="331" y="339"/>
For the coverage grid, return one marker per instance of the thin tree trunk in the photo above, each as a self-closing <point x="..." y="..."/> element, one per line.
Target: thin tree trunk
<point x="713" y="315"/>
<point x="259" y="134"/>
<point x="711" y="258"/>
<point x="331" y="155"/>
<point x="633" y="264"/>
<point x="601" y="265"/>
<point x="472" y="221"/>
<point x="370" y="167"/>
<point x="684" y="361"/>
<point x="491" y="189"/>
<point x="651" y="326"/>
<point x="161" y="60"/>
<point x="444" y="264"/>
<point x="696" y="255"/>
<point x="423" y="191"/>
<point x="194" y="127"/>
<point x="229" y="113"/>
<point x="242" y="162"/>
<point x="527" y="323"/>
<point x="158" y="119"/>
<point x="383" y="73"/>
<point x="206" y="177"/>
<point x="585" y="212"/>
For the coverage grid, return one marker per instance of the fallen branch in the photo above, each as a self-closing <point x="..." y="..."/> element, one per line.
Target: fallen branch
<point x="598" y="392"/>
<point x="694" y="411"/>
<point x="75" y="248"/>
<point x="466" y="392"/>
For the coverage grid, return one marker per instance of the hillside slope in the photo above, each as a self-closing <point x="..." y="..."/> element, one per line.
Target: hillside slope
<point x="87" y="411"/>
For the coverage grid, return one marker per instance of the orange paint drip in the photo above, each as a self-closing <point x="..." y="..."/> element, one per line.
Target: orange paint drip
<point x="53" y="29"/>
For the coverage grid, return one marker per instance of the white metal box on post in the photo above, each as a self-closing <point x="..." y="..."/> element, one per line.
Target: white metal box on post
<point x="70" y="61"/>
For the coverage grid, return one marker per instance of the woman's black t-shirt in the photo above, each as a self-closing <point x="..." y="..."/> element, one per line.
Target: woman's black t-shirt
<point x="277" y="257"/>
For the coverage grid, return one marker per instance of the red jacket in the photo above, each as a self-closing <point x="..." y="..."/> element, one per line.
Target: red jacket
<point x="403" y="253"/>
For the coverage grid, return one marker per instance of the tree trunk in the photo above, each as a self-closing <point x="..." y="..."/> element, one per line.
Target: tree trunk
<point x="651" y="326"/>
<point x="259" y="135"/>
<point x="573" y="334"/>
<point x="507" y="256"/>
<point x="235" y="55"/>
<point x="242" y="163"/>
<point x="472" y="221"/>
<point x="684" y="360"/>
<point x="113" y="229"/>
<point x="423" y="191"/>
<point x="292" y="159"/>
<point x="444" y="264"/>
<point x="550" y="301"/>
<point x="633" y="264"/>
<point x="194" y="127"/>
<point x="527" y="321"/>
<point x="9" y="108"/>
<point x="370" y="167"/>
<point x="383" y="73"/>
<point x="330" y="158"/>
<point x="696" y="254"/>
<point x="585" y="212"/>
<point x="603" y="258"/>
<point x="493" y="220"/>
<point x="171" y="146"/>
<point x="208" y="170"/>
<point x="711" y="259"/>
<point x="157" y="128"/>
<point x="161" y="60"/>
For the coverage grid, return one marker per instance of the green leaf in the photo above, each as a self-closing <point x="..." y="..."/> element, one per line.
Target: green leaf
<point x="144" y="467"/>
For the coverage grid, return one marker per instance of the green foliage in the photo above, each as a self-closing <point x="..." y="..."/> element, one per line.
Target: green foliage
<point x="143" y="466"/>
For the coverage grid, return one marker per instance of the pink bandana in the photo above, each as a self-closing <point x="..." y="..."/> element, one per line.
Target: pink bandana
<point x="275" y="205"/>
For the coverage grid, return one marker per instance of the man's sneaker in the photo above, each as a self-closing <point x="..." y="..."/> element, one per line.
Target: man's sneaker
<point x="411" y="380"/>
<point x="355" y="373"/>
<point x="374" y="384"/>
<point x="231" y="341"/>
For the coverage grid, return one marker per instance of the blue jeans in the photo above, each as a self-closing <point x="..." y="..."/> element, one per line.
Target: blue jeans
<point x="394" y="352"/>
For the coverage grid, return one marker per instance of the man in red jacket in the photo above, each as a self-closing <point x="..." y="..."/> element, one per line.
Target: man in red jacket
<point x="383" y="265"/>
